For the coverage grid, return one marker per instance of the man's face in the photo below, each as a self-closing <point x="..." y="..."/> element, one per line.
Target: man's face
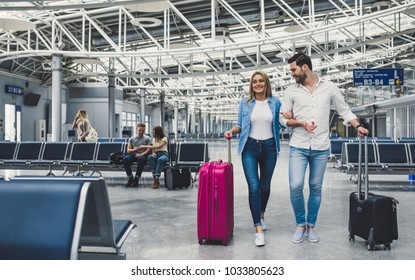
<point x="297" y="72"/>
<point x="141" y="130"/>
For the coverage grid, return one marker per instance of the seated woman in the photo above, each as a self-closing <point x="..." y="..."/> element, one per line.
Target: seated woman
<point x="159" y="156"/>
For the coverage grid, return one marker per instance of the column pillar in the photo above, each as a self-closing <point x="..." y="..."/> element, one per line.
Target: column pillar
<point x="162" y="114"/>
<point x="56" y="118"/>
<point x="176" y="120"/>
<point x="142" y="106"/>
<point x="111" y="104"/>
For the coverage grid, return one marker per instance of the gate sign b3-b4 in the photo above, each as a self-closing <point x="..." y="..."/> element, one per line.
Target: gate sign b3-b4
<point x="378" y="77"/>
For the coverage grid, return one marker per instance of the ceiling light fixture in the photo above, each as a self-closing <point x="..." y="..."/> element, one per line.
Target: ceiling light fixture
<point x="146" y="22"/>
<point x="14" y="24"/>
<point x="200" y="67"/>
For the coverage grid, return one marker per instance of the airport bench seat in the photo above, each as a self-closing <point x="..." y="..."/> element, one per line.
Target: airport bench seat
<point x="78" y="158"/>
<point x="7" y="152"/>
<point x="101" y="236"/>
<point x="41" y="220"/>
<point x="384" y="158"/>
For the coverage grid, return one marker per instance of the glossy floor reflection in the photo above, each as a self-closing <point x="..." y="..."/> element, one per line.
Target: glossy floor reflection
<point x="167" y="228"/>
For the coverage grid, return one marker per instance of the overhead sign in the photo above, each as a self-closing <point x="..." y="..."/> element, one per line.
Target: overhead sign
<point x="14" y="90"/>
<point x="378" y="77"/>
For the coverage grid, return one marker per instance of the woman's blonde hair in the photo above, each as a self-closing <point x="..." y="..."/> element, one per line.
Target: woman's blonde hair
<point x="83" y="115"/>
<point x="268" y="90"/>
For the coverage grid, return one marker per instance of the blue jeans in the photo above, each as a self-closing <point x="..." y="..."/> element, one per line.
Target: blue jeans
<point x="299" y="160"/>
<point x="156" y="162"/>
<point x="129" y="159"/>
<point x="262" y="154"/>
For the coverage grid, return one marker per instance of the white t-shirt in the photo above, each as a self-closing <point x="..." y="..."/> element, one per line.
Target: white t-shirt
<point x="261" y="121"/>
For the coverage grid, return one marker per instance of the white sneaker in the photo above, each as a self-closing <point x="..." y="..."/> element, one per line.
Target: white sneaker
<point x="263" y="225"/>
<point x="259" y="239"/>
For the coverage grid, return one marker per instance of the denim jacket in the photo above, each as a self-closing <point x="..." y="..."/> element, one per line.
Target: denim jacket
<point x="244" y="120"/>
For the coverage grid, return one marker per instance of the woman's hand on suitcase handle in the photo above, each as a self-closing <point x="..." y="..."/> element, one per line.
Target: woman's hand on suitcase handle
<point x="228" y="135"/>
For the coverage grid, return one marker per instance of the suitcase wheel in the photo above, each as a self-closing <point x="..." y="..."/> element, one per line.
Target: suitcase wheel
<point x="370" y="247"/>
<point x="351" y="237"/>
<point x="225" y="243"/>
<point x="200" y="241"/>
<point x="386" y="246"/>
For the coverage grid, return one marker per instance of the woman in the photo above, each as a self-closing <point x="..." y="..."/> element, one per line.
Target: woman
<point x="159" y="156"/>
<point x="82" y="125"/>
<point x="259" y="126"/>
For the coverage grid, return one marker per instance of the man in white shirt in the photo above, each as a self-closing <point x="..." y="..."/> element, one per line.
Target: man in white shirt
<point x="309" y="103"/>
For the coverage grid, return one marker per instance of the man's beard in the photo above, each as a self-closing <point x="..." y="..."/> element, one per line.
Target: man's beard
<point x="300" y="79"/>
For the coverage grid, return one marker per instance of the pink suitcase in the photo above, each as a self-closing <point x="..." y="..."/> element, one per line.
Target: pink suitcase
<point x="215" y="217"/>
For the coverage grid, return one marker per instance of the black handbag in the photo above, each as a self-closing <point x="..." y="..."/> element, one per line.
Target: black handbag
<point x="116" y="158"/>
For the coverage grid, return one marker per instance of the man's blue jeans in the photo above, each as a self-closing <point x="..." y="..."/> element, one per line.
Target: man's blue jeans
<point x="129" y="159"/>
<point x="156" y="162"/>
<point x="298" y="162"/>
<point x="259" y="155"/>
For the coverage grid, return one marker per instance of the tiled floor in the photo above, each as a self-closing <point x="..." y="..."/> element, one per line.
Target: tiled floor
<point x="167" y="227"/>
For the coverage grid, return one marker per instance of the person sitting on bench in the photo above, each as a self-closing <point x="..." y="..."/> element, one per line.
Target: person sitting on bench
<point x="159" y="156"/>
<point x="136" y="153"/>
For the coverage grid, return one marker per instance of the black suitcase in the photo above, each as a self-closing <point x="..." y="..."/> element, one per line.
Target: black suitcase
<point x="372" y="217"/>
<point x="177" y="177"/>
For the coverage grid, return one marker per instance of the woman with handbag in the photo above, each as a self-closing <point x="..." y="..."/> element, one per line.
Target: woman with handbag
<point x="82" y="125"/>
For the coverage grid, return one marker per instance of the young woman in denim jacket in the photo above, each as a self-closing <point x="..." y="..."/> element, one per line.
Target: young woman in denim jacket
<point x="259" y="145"/>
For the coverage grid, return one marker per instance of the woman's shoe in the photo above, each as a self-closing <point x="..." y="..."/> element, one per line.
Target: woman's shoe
<point x="259" y="239"/>
<point x="156" y="183"/>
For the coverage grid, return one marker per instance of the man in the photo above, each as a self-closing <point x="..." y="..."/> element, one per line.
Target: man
<point x="134" y="154"/>
<point x="307" y="109"/>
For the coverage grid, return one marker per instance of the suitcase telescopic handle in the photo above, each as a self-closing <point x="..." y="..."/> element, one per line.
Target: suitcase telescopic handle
<point x="359" y="171"/>
<point x="228" y="139"/>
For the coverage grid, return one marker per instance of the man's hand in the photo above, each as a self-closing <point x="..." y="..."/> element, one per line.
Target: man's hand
<point x="309" y="127"/>
<point x="361" y="131"/>
<point x="287" y="115"/>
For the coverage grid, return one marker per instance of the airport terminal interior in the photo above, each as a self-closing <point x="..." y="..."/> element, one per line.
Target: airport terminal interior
<point x="185" y="65"/>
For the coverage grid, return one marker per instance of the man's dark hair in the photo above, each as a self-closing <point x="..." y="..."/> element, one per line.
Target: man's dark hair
<point x="301" y="59"/>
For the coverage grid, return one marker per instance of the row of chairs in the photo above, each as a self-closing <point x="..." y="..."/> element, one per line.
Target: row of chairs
<point x="203" y="136"/>
<point x="383" y="158"/>
<point x="336" y="145"/>
<point x="51" y="218"/>
<point x="87" y="156"/>
<point x="56" y="155"/>
<point x="110" y="139"/>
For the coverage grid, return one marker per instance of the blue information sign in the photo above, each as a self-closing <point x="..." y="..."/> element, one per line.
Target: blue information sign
<point x="378" y="77"/>
<point x="14" y="90"/>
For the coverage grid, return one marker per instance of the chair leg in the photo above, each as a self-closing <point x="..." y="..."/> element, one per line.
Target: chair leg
<point x="79" y="172"/>
<point x="50" y="173"/>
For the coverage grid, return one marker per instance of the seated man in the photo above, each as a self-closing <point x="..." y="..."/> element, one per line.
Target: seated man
<point x="136" y="154"/>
